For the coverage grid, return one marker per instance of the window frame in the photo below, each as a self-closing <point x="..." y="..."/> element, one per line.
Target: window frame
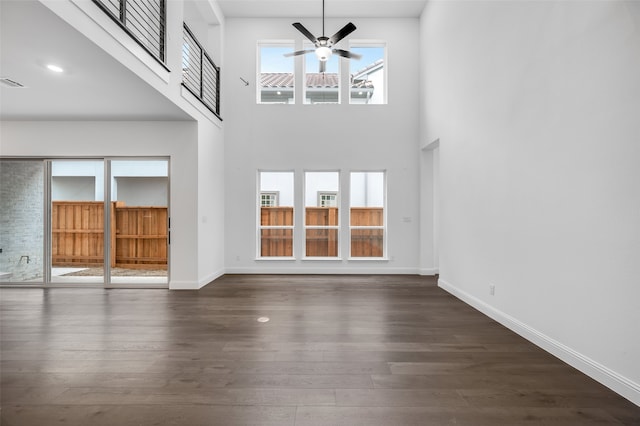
<point x="260" y="227"/>
<point x="274" y="44"/>
<point x="273" y="196"/>
<point x="383" y="227"/>
<point x="334" y="199"/>
<point x="355" y="44"/>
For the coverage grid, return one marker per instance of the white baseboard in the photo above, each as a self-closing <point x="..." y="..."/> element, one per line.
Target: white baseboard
<point x="620" y="384"/>
<point x="183" y="285"/>
<point x="196" y="285"/>
<point x="327" y="269"/>
<point x="211" y="277"/>
<point x="428" y="271"/>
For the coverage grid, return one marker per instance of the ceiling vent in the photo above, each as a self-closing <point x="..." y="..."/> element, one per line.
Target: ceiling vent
<point x="7" y="82"/>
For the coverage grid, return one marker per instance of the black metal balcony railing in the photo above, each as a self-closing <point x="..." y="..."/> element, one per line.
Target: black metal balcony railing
<point x="143" y="20"/>
<point x="199" y="74"/>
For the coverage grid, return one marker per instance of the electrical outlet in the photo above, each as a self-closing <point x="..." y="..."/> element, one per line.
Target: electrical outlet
<point x="492" y="289"/>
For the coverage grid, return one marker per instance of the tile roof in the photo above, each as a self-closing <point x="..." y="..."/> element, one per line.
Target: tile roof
<point x="283" y="80"/>
<point x="369" y="67"/>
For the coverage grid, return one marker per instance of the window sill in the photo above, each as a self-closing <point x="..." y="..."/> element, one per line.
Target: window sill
<point x="275" y="258"/>
<point x="321" y="258"/>
<point x="369" y="259"/>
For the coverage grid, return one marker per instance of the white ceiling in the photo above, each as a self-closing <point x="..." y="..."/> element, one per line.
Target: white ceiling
<point x="94" y="86"/>
<point x="313" y="8"/>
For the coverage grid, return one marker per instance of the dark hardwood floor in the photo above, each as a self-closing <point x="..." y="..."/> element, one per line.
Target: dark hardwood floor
<point x="337" y="350"/>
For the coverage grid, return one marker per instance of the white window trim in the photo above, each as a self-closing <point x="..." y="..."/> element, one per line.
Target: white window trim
<point x="260" y="227"/>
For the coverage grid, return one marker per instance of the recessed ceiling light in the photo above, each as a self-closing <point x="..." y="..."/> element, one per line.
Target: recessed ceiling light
<point x="54" y="68"/>
<point x="263" y="319"/>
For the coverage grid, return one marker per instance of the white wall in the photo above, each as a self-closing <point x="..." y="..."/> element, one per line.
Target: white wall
<point x="211" y="202"/>
<point x="536" y="105"/>
<point x="321" y="137"/>
<point x="141" y="191"/>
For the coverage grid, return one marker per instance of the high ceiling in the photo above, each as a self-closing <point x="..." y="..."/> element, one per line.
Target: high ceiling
<point x="313" y="8"/>
<point x="94" y="85"/>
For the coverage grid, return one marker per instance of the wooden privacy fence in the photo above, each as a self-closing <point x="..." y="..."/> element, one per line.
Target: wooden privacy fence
<point x="276" y="242"/>
<point x="321" y="242"/>
<point x="367" y="242"/>
<point x="138" y="237"/>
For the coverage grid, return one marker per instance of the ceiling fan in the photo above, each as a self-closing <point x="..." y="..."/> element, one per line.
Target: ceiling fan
<point x="324" y="45"/>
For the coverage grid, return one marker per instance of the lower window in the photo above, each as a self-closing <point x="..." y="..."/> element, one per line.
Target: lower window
<point x="367" y="216"/>
<point x="276" y="214"/>
<point x="321" y="220"/>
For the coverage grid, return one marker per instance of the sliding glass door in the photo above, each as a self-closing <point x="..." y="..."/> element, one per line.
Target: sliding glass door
<point x="139" y="221"/>
<point x="77" y="221"/>
<point x="84" y="222"/>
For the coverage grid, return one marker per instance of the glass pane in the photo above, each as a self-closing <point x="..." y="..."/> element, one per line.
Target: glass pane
<point x="322" y="242"/>
<point x="318" y="183"/>
<point x="21" y="221"/>
<point x="367" y="242"/>
<point x="367" y="189"/>
<point x="321" y="87"/>
<point x="367" y="76"/>
<point x="77" y="221"/>
<point x="276" y="209"/>
<point x="321" y="202"/>
<point x="276" y="75"/>
<point x="278" y="185"/>
<point x="367" y="210"/>
<point x="139" y="221"/>
<point x="276" y="242"/>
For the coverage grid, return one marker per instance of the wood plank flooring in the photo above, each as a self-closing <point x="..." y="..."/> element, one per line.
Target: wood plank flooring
<point x="337" y="350"/>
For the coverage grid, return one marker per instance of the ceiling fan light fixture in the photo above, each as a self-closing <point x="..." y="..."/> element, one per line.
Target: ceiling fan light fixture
<point x="323" y="53"/>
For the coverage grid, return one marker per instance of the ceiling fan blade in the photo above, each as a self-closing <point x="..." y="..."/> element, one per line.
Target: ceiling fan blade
<point x="345" y="31"/>
<point x="323" y="66"/>
<point x="347" y="54"/>
<point x="305" y="32"/>
<point x="298" y="53"/>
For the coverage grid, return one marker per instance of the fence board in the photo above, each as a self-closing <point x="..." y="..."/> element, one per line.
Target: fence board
<point x="141" y="235"/>
<point x="77" y="232"/>
<point x="138" y="239"/>
<point x="367" y="242"/>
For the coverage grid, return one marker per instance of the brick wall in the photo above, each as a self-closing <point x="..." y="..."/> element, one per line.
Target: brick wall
<point x="21" y="220"/>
